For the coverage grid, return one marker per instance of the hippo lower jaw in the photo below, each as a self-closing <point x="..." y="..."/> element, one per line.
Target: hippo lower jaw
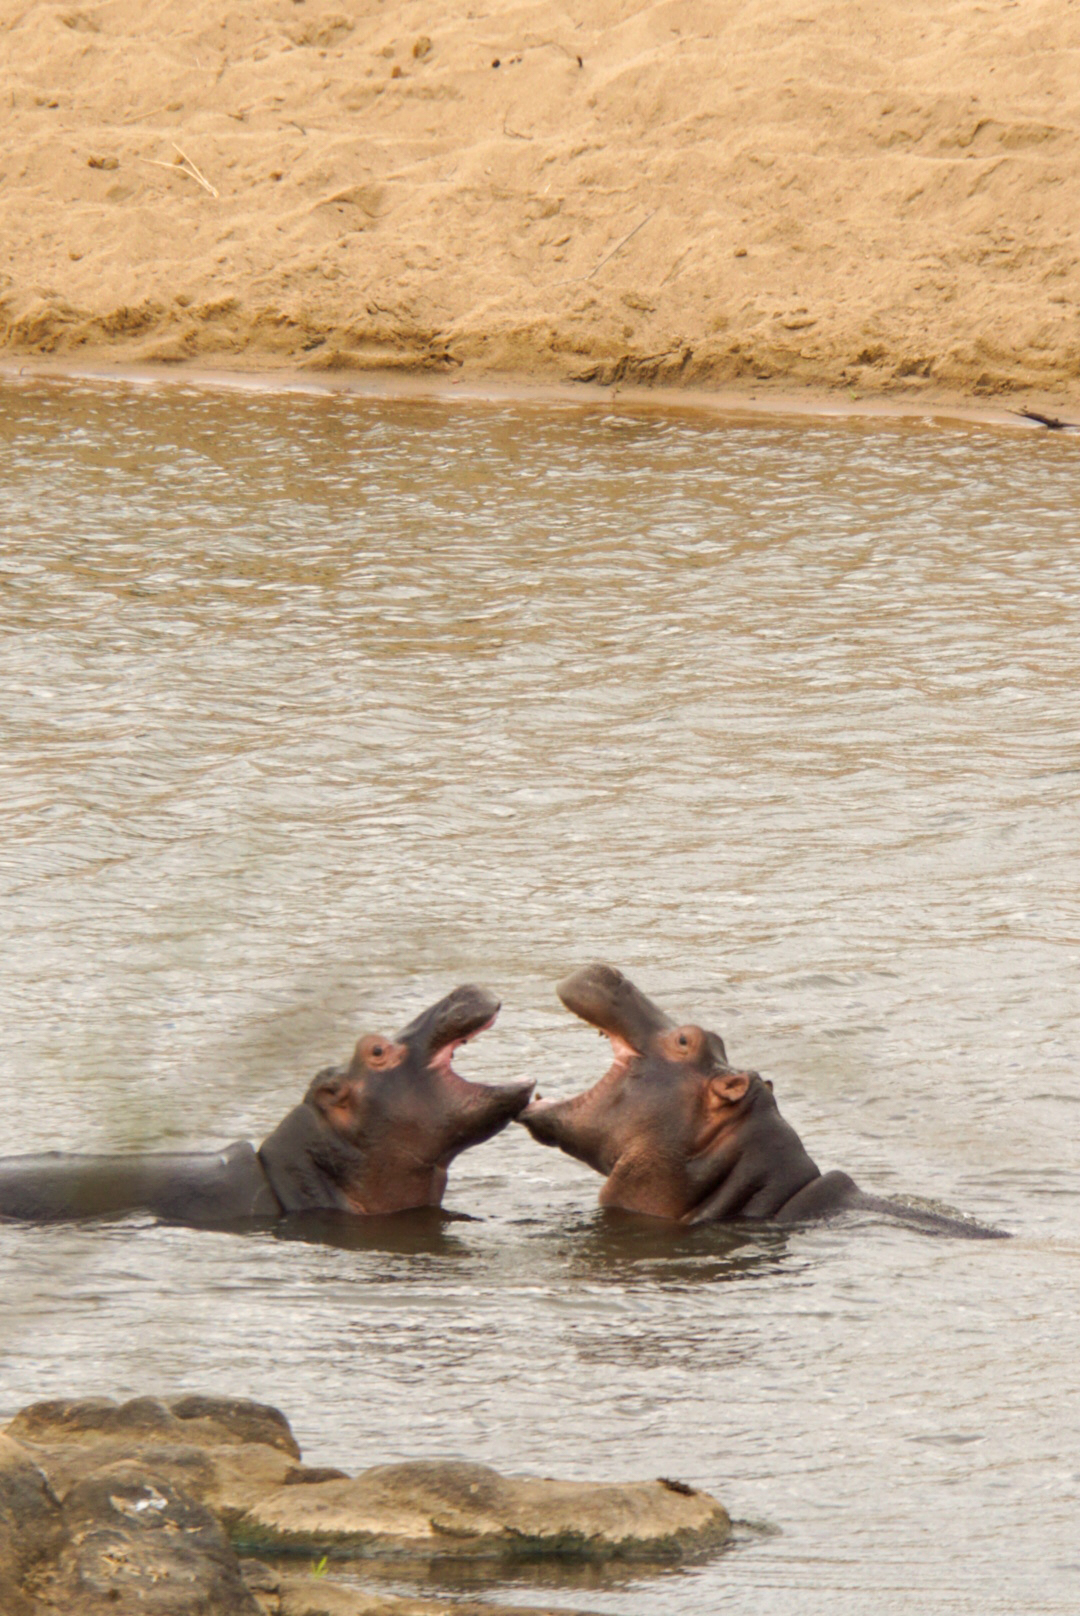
<point x="623" y="1054"/>
<point x="491" y="1108"/>
<point x="535" y="1115"/>
<point x="567" y="1126"/>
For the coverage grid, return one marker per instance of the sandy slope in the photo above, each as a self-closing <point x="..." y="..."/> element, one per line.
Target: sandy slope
<point x="849" y="193"/>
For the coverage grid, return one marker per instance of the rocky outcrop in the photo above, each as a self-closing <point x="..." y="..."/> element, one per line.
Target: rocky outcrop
<point x="139" y="1543"/>
<point x="32" y="1530"/>
<point x="111" y="1543"/>
<point x="225" y="1453"/>
<point x="111" y="1509"/>
<point x="454" y="1509"/>
<point x="202" y="1421"/>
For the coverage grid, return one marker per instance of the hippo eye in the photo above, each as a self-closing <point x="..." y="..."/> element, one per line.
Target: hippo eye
<point x="683" y="1044"/>
<point x="378" y="1054"/>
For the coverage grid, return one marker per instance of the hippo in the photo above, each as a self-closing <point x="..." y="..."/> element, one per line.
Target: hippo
<point x="374" y="1135"/>
<point x="679" y="1133"/>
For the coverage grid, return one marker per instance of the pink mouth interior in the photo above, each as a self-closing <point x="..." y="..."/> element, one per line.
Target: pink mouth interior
<point x="623" y="1054"/>
<point x="441" y="1060"/>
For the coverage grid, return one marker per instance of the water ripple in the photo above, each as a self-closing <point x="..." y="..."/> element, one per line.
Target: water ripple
<point x="313" y="707"/>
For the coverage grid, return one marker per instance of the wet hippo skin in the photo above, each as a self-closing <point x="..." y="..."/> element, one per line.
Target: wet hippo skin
<point x="679" y="1133"/>
<point x="372" y="1136"/>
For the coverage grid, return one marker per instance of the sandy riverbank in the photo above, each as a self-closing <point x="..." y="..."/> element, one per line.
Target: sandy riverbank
<point x="879" y="198"/>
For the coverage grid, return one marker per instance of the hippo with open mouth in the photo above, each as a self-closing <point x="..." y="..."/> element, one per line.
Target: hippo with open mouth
<point x="679" y="1133"/>
<point x="375" y="1135"/>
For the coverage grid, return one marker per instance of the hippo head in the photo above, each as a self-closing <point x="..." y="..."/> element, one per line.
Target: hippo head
<point x="378" y="1134"/>
<point x="657" y="1123"/>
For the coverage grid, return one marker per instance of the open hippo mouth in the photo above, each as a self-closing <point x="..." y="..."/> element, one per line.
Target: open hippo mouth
<point x="467" y="1112"/>
<point x="601" y="996"/>
<point x="436" y="1034"/>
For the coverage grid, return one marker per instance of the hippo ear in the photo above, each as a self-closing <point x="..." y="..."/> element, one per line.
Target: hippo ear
<point x="716" y="1044"/>
<point x="727" y="1089"/>
<point x="330" y="1092"/>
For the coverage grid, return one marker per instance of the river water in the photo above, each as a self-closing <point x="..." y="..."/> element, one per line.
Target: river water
<point x="313" y="707"/>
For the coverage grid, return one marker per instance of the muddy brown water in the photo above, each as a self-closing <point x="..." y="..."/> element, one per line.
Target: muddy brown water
<point x="313" y="707"/>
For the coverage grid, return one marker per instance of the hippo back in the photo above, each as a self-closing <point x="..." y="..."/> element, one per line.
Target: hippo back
<point x="185" y="1187"/>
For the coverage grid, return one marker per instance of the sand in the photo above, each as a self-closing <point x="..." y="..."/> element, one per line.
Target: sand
<point x="881" y="199"/>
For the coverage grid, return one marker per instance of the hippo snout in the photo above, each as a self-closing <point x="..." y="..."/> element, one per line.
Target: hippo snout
<point x="519" y="1095"/>
<point x="541" y="1118"/>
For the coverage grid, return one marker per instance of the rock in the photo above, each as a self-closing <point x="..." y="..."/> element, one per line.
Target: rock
<point x="441" y="1508"/>
<point x="32" y="1530"/>
<point x="303" y="1475"/>
<point x="125" y="1509"/>
<point x="225" y="1453"/>
<point x="264" y="1582"/>
<point x="193" y="1421"/>
<point x="139" y="1546"/>
<point x="239" y="1459"/>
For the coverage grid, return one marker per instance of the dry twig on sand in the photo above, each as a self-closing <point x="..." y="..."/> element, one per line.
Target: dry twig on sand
<point x="569" y="280"/>
<point x="185" y="166"/>
<point x="619" y="245"/>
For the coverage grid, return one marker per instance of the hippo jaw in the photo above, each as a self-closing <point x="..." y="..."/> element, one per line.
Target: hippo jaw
<point x="651" y="1125"/>
<point x="474" y="1111"/>
<point x="601" y="996"/>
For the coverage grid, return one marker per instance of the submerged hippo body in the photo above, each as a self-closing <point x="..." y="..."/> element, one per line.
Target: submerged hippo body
<point x="183" y="1185"/>
<point x="678" y="1133"/>
<point x="375" y="1135"/>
